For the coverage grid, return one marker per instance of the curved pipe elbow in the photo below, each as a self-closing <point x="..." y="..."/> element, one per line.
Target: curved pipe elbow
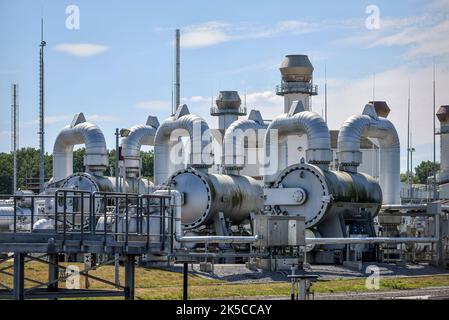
<point x="234" y="141"/>
<point x="131" y="145"/>
<point x="306" y="122"/>
<point x="196" y="128"/>
<point x="92" y="137"/>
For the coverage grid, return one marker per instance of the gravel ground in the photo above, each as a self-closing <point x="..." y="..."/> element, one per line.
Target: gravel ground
<point x="239" y="273"/>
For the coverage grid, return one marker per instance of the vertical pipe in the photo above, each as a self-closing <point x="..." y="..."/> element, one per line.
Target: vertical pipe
<point x="19" y="276"/>
<point x="185" y="286"/>
<point x="178" y="71"/>
<point x="435" y="195"/>
<point x="408" y="142"/>
<point x="129" y="277"/>
<point x="325" y="93"/>
<point x="53" y="272"/>
<point x="117" y="187"/>
<point x="41" y="112"/>
<point x="14" y="133"/>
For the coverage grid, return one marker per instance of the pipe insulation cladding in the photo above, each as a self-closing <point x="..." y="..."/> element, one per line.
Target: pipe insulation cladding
<point x="79" y="132"/>
<point x="350" y="156"/>
<point x="296" y="122"/>
<point x="138" y="136"/>
<point x="205" y="195"/>
<point x="314" y="193"/>
<point x="193" y="126"/>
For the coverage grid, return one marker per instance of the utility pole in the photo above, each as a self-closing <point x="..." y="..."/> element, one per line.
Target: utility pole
<point x="41" y="112"/>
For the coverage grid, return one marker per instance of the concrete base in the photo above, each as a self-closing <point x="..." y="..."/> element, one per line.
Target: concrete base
<point x="278" y="264"/>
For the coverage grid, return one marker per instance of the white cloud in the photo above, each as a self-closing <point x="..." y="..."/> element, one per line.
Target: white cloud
<point x="216" y="32"/>
<point x="101" y="118"/>
<point x="49" y="120"/>
<point x="81" y="49"/>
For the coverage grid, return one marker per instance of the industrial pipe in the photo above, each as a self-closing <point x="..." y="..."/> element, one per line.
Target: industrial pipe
<point x="79" y="132"/>
<point x="371" y="240"/>
<point x="234" y="140"/>
<point x="177" y="203"/>
<point x="350" y="156"/>
<point x="198" y="132"/>
<point x="136" y="137"/>
<point x="303" y="122"/>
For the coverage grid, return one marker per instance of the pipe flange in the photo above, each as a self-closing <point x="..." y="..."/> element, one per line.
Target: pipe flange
<point x="313" y="204"/>
<point x="204" y="215"/>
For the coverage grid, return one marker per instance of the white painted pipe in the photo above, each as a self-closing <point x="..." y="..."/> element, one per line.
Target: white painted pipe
<point x="370" y="240"/>
<point x="305" y="122"/>
<point x="198" y="131"/>
<point x="350" y="156"/>
<point x="79" y="132"/>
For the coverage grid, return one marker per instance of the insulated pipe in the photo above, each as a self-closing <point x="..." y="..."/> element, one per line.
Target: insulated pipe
<point x="96" y="159"/>
<point x="195" y="127"/>
<point x="370" y="240"/>
<point x="234" y="141"/>
<point x="138" y="136"/>
<point x="306" y="122"/>
<point x="350" y="156"/>
<point x="177" y="203"/>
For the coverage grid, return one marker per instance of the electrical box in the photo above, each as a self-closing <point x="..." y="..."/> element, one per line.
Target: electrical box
<point x="279" y="231"/>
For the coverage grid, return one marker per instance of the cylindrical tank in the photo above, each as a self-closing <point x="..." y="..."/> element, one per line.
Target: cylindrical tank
<point x="324" y="192"/>
<point x="205" y="195"/>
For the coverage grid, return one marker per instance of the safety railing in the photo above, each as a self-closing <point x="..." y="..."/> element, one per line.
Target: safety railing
<point x="119" y="217"/>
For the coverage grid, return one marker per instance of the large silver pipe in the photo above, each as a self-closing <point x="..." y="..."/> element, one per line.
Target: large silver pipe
<point x="191" y="125"/>
<point x="305" y="122"/>
<point x="7" y="216"/>
<point x="79" y="132"/>
<point x="179" y="236"/>
<point x="370" y="240"/>
<point x="234" y="140"/>
<point x="350" y="156"/>
<point x="138" y="136"/>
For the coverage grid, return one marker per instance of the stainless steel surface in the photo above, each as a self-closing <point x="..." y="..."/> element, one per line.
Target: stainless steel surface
<point x="306" y="122"/>
<point x="228" y="100"/>
<point x="234" y="139"/>
<point x="328" y="192"/>
<point x="279" y="231"/>
<point x="7" y="216"/>
<point x="218" y="239"/>
<point x="79" y="132"/>
<point x="205" y="195"/>
<point x="195" y="127"/>
<point x="350" y="156"/>
<point x="139" y="135"/>
<point x="296" y="67"/>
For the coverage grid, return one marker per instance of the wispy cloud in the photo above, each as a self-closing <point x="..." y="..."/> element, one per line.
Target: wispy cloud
<point x="215" y="32"/>
<point x="81" y="49"/>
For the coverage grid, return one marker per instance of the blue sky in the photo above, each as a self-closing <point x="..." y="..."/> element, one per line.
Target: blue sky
<point x="117" y="68"/>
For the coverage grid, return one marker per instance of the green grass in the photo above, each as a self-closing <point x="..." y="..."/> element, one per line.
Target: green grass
<point x="161" y="284"/>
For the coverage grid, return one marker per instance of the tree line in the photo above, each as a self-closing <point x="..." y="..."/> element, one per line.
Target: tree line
<point x="28" y="166"/>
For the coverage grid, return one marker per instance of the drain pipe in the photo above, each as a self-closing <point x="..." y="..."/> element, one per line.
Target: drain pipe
<point x="370" y="125"/>
<point x="296" y="122"/>
<point x="200" y="137"/>
<point x="234" y="140"/>
<point x="177" y="203"/>
<point x="79" y="132"/>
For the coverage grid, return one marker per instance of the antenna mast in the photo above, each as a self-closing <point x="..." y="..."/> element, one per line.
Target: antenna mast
<point x="41" y="111"/>
<point x="408" y="139"/>
<point x="14" y="131"/>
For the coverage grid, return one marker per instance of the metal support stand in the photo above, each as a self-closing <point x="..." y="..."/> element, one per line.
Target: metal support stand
<point x="185" y="282"/>
<point x="53" y="272"/>
<point x="19" y="276"/>
<point x="117" y="269"/>
<point x="130" y="270"/>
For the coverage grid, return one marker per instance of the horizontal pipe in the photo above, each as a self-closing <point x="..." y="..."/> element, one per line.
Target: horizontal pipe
<point x="370" y="240"/>
<point x="218" y="239"/>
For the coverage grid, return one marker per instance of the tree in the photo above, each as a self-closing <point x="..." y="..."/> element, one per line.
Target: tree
<point x="147" y="164"/>
<point x="426" y="169"/>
